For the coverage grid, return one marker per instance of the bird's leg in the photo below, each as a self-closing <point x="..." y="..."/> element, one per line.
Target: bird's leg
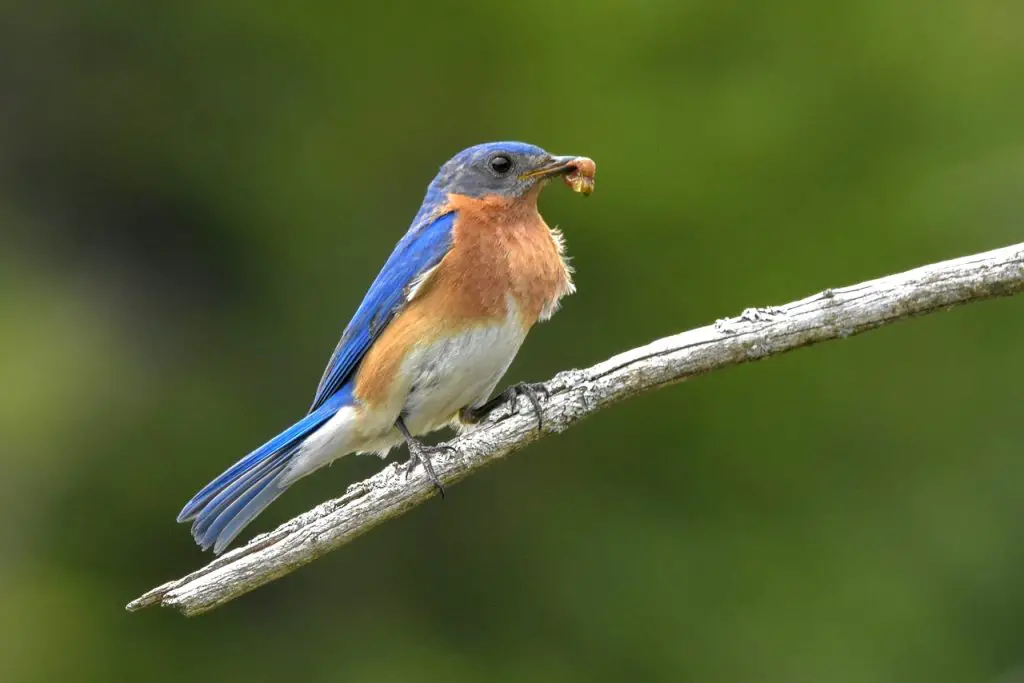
<point x="419" y="452"/>
<point x="530" y="390"/>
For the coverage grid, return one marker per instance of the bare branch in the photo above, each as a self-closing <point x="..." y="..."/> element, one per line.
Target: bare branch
<point x="574" y="394"/>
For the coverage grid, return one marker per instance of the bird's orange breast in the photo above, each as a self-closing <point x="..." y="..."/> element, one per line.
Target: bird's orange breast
<point x="501" y="250"/>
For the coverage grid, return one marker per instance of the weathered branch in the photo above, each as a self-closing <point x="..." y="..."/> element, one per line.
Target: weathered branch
<point x="574" y="394"/>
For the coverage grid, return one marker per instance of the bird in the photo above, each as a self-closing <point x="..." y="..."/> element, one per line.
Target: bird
<point x="433" y="336"/>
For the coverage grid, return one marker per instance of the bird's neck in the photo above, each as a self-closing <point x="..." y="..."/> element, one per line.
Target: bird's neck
<point x="496" y="212"/>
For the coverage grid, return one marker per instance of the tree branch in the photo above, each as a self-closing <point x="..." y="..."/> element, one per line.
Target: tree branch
<point x="574" y="394"/>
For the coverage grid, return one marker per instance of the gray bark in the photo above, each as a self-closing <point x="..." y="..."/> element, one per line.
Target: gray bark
<point x="574" y="394"/>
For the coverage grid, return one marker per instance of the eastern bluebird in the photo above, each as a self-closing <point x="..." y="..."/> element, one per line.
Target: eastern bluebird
<point x="433" y="336"/>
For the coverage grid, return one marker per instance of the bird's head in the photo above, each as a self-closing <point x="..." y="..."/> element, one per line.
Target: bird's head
<point x="510" y="170"/>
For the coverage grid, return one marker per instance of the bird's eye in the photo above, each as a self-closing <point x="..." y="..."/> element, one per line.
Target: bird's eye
<point x="500" y="164"/>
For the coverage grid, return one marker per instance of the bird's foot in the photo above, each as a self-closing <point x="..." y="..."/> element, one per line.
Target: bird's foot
<point x="421" y="454"/>
<point x="531" y="390"/>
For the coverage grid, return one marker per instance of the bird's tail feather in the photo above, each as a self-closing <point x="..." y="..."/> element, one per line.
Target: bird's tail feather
<point x="227" y="504"/>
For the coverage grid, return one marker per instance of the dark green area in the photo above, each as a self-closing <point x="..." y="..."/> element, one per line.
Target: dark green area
<point x="194" y="196"/>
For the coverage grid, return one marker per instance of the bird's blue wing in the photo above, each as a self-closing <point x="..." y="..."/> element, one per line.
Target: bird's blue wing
<point x="421" y="249"/>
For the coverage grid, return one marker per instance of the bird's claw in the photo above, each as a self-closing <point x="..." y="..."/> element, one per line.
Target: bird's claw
<point x="531" y="390"/>
<point x="421" y="454"/>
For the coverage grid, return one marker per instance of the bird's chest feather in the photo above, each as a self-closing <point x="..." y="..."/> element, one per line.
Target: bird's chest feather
<point x="502" y="249"/>
<point x="465" y="319"/>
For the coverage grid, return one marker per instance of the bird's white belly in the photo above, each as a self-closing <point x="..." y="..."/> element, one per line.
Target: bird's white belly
<point x="435" y="381"/>
<point x="458" y="371"/>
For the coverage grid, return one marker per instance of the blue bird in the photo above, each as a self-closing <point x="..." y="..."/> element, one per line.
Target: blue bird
<point x="434" y="334"/>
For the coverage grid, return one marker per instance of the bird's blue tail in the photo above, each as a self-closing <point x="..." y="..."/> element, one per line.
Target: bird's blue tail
<point x="227" y="504"/>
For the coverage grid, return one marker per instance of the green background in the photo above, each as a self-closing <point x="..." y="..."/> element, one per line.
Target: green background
<point x="195" y="195"/>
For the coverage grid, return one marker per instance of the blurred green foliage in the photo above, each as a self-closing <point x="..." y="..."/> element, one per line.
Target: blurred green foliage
<point x="194" y="196"/>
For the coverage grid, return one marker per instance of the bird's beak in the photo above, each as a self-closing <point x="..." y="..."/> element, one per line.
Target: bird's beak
<point x="578" y="172"/>
<point x="555" y="166"/>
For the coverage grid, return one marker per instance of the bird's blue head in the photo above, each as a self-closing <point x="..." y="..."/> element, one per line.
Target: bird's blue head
<point x="506" y="169"/>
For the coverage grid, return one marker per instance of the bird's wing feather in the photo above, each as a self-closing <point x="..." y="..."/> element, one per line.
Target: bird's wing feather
<point x="421" y="249"/>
